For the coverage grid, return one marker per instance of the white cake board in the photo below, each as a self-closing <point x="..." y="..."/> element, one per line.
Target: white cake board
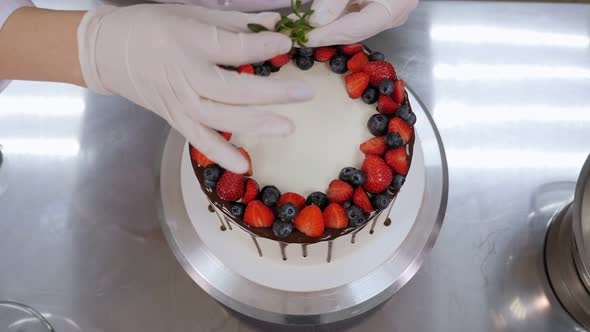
<point x="278" y="291"/>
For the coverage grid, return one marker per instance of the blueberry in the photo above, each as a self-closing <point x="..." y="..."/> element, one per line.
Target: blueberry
<point x="270" y="195"/>
<point x="378" y="124"/>
<point x="357" y="178"/>
<point x="282" y="229"/>
<point x="287" y="212"/>
<point x="304" y="62"/>
<point x="338" y="63"/>
<point x="263" y="70"/>
<point x="317" y="198"/>
<point x="398" y="181"/>
<point x="305" y="51"/>
<point x="394" y="140"/>
<point x="258" y="64"/>
<point x="380" y="201"/>
<point x="237" y="210"/>
<point x="376" y="56"/>
<point x="345" y="173"/>
<point x="406" y="114"/>
<point x="386" y="86"/>
<point x="274" y="69"/>
<point x="370" y="95"/>
<point x="355" y="216"/>
<point x="211" y="174"/>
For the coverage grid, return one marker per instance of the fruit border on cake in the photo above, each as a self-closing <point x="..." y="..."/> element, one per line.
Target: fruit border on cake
<point x="356" y="195"/>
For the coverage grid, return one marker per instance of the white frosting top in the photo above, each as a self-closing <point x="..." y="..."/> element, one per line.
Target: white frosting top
<point x="329" y="130"/>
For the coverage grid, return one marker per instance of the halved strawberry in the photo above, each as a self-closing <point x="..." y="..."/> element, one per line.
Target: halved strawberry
<point x="378" y="71"/>
<point x="200" y="158"/>
<point x="335" y="216"/>
<point x="386" y="105"/>
<point x="402" y="128"/>
<point x="357" y="62"/>
<point x="230" y="186"/>
<point x="246" y="69"/>
<point x="247" y="156"/>
<point x="398" y="160"/>
<point x="323" y="54"/>
<point x="310" y="221"/>
<point x="378" y="174"/>
<point x="293" y="198"/>
<point x="352" y="48"/>
<point x="258" y="215"/>
<point x="399" y="91"/>
<point x="356" y="83"/>
<point x="375" y="145"/>
<point x="280" y="60"/>
<point x="225" y="134"/>
<point x="361" y="199"/>
<point x="252" y="190"/>
<point x="339" y="191"/>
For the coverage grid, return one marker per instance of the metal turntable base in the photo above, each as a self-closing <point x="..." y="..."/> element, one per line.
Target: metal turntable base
<point x="314" y="307"/>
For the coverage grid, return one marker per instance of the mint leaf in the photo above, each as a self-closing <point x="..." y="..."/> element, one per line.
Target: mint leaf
<point x="255" y="27"/>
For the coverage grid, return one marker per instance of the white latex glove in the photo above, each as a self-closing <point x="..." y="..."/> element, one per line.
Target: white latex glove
<point x="347" y="22"/>
<point x="164" y="58"/>
<point x="239" y="5"/>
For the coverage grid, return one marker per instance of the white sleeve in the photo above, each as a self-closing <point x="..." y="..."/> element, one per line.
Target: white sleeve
<point x="7" y="7"/>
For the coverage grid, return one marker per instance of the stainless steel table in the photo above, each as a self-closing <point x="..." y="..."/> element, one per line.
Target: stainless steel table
<point x="508" y="86"/>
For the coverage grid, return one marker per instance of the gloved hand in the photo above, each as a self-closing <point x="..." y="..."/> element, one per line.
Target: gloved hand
<point x="164" y="58"/>
<point x="347" y="22"/>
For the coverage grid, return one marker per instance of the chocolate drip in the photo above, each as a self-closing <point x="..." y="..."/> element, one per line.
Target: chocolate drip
<point x="387" y="221"/>
<point x="373" y="225"/>
<point x="304" y="249"/>
<point x="211" y="209"/>
<point x="228" y="221"/>
<point x="222" y="227"/>
<point x="257" y="245"/>
<point x="283" y="245"/>
<point x="330" y="244"/>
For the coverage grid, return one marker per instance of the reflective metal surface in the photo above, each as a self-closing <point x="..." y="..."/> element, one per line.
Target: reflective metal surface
<point x="581" y="226"/>
<point x="318" y="307"/>
<point x="507" y="84"/>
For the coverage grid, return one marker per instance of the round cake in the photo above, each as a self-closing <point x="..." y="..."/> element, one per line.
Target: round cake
<point x="337" y="175"/>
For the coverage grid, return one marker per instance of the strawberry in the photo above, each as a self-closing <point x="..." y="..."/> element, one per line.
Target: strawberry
<point x="378" y="71"/>
<point x="246" y="69"/>
<point x="356" y="83"/>
<point x="258" y="215"/>
<point x="310" y="221"/>
<point x="292" y="198"/>
<point x="361" y="199"/>
<point x="200" y="158"/>
<point x="397" y="160"/>
<point x="323" y="54"/>
<point x="339" y="191"/>
<point x="247" y="156"/>
<point x="357" y="62"/>
<point x="280" y="60"/>
<point x="226" y="135"/>
<point x="399" y="91"/>
<point x="378" y="174"/>
<point x="352" y="48"/>
<point x="230" y="186"/>
<point x="335" y="216"/>
<point x="252" y="190"/>
<point x="402" y="128"/>
<point x="386" y="105"/>
<point x="375" y="145"/>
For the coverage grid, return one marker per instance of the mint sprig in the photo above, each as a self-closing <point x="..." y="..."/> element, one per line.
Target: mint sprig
<point x="296" y="29"/>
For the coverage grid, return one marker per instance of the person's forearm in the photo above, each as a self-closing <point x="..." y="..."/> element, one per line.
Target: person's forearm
<point x="41" y="45"/>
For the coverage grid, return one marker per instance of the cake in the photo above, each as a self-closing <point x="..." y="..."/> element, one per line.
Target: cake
<point x="337" y="175"/>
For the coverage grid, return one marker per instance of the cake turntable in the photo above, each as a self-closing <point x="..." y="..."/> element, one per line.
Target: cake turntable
<point x="296" y="292"/>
